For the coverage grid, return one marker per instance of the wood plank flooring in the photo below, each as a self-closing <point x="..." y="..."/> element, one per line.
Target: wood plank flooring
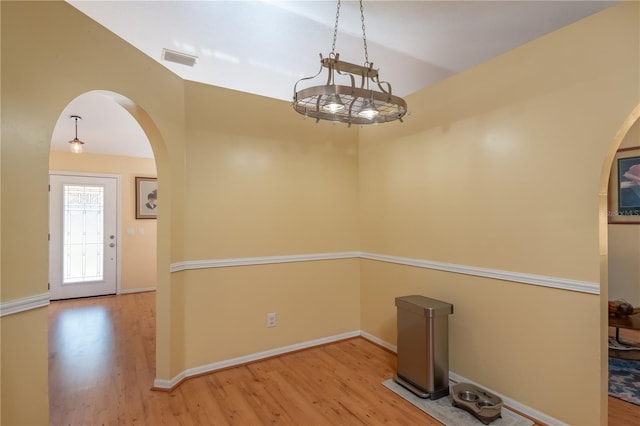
<point x="102" y="366"/>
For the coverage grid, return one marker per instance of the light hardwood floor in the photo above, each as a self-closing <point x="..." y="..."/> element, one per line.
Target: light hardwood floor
<point x="102" y="366"/>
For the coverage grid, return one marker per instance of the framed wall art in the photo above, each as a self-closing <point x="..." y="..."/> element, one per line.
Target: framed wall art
<point x="624" y="187"/>
<point x="146" y="198"/>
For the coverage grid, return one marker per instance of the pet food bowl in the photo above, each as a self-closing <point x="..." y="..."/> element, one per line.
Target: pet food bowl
<point x="468" y="396"/>
<point x="480" y="403"/>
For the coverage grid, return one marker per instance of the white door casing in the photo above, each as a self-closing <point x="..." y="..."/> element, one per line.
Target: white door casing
<point x="83" y="227"/>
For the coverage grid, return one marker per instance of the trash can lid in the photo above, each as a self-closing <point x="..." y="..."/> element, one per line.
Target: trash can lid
<point x="421" y="304"/>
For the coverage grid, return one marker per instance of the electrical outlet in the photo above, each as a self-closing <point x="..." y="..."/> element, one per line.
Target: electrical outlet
<point x="271" y="319"/>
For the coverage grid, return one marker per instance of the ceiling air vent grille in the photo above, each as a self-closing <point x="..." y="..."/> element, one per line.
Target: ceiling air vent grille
<point x="179" y="57"/>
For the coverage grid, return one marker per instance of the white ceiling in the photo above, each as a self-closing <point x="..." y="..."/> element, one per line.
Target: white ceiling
<point x="264" y="47"/>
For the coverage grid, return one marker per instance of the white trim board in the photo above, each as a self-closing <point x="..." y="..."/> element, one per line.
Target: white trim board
<point x="539" y="280"/>
<point x="42" y="300"/>
<point x="137" y="290"/>
<point x="24" y="304"/>
<point x="511" y="403"/>
<point x="37" y="301"/>
<point x="210" y="368"/>
<point x="250" y="261"/>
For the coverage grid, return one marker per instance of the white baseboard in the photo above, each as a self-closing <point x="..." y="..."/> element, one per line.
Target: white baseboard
<point x="137" y="290"/>
<point x="43" y="300"/>
<point x="511" y="403"/>
<point x="378" y="341"/>
<point x="209" y="368"/>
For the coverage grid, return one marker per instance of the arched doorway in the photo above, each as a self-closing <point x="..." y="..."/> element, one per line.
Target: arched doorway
<point x="115" y="149"/>
<point x="127" y="108"/>
<point x="604" y="213"/>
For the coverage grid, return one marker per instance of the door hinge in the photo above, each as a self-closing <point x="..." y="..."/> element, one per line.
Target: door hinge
<point x="49" y="187"/>
<point x="48" y="286"/>
<point x="48" y="237"/>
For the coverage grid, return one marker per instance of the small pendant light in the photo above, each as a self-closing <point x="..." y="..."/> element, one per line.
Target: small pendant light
<point x="76" y="144"/>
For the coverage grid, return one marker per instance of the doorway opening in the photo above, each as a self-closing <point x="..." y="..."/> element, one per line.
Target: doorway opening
<point x="115" y="147"/>
<point x="605" y="212"/>
<point x="83" y="235"/>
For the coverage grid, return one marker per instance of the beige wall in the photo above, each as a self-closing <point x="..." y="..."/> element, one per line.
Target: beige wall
<point x="500" y="167"/>
<point x="138" y="237"/>
<point x="512" y="338"/>
<point x="624" y="247"/>
<point x="486" y="146"/>
<point x="54" y="55"/>
<point x="51" y="54"/>
<point x="24" y="387"/>
<point x="477" y="175"/>
<point x="228" y="307"/>
<point x="265" y="182"/>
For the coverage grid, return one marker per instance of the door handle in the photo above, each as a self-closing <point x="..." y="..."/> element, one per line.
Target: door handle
<point x="112" y="245"/>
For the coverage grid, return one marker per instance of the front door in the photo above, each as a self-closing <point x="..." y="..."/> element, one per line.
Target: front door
<point x="83" y="239"/>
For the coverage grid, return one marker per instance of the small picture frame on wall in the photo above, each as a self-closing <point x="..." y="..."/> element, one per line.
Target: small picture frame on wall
<point x="624" y="187"/>
<point x="146" y="198"/>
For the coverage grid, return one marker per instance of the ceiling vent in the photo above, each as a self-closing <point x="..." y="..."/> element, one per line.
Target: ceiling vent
<point x="179" y="57"/>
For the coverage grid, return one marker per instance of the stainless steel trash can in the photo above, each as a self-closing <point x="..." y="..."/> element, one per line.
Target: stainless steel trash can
<point x="423" y="345"/>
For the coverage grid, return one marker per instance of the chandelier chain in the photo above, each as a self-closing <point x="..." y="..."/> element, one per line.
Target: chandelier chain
<point x="335" y="31"/>
<point x="364" y="35"/>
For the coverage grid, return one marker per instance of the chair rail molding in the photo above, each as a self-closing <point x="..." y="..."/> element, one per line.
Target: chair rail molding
<point x="540" y="280"/>
<point x="517" y="277"/>
<point x="249" y="261"/>
<point x="24" y="304"/>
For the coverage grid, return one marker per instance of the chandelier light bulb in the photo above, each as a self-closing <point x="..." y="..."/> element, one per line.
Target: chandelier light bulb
<point x="368" y="110"/>
<point x="333" y="104"/>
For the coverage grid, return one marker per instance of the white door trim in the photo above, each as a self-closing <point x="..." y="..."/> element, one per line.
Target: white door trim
<point x="118" y="179"/>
